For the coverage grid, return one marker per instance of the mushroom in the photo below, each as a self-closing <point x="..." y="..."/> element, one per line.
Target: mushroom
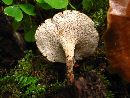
<point x="67" y="37"/>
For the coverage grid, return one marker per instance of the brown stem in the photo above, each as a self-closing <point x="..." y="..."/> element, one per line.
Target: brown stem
<point x="69" y="67"/>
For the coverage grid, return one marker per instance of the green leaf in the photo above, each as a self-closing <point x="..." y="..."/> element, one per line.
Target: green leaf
<point x="14" y="11"/>
<point x="57" y="4"/>
<point x="45" y="6"/>
<point x="29" y="29"/>
<point x="8" y="2"/>
<point x="28" y="9"/>
<point x="29" y="35"/>
<point x="87" y="4"/>
<point x="40" y="1"/>
<point x="15" y="25"/>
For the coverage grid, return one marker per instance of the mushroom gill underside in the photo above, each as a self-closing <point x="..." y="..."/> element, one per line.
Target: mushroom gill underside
<point x="67" y="37"/>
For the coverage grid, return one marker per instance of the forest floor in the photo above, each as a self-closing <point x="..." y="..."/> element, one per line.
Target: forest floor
<point x="92" y="77"/>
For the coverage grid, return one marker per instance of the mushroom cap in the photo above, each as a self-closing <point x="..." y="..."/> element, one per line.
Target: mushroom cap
<point x="67" y="29"/>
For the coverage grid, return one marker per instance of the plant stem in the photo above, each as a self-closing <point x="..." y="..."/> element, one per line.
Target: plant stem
<point x="72" y="6"/>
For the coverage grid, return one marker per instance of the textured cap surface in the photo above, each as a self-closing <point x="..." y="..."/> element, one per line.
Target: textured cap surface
<point x="67" y="30"/>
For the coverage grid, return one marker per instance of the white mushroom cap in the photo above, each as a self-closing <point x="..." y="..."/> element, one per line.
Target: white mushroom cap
<point x="68" y="33"/>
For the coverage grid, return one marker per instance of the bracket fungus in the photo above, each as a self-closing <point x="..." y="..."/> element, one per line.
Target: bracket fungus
<point x="67" y="37"/>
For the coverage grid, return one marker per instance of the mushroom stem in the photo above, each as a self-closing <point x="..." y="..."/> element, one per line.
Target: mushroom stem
<point x="70" y="61"/>
<point x="69" y="67"/>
